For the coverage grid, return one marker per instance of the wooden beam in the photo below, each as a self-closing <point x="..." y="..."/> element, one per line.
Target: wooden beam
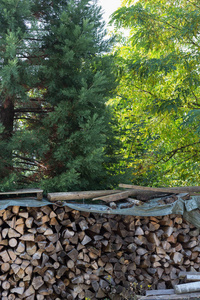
<point x="186" y="296"/>
<point x="115" y="197"/>
<point x="175" y="190"/>
<point x="183" y="274"/>
<point x="192" y="277"/>
<point x="160" y="292"/>
<point x="38" y="192"/>
<point x="79" y="195"/>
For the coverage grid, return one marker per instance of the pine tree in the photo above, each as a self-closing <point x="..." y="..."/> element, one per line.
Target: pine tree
<point x="13" y="75"/>
<point x="60" y="123"/>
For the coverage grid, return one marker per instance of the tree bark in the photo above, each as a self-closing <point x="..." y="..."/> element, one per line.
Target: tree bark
<point x="7" y="117"/>
<point x="7" y="120"/>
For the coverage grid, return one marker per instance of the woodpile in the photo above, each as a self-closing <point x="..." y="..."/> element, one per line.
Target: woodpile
<point x="53" y="252"/>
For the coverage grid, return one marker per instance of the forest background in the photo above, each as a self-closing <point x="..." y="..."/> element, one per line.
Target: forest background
<point x="81" y="110"/>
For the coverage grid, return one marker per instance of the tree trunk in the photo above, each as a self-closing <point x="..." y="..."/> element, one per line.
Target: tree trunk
<point x="7" y="120"/>
<point x="7" y="117"/>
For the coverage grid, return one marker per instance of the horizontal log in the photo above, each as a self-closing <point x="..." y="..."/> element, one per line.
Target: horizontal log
<point x="175" y="190"/>
<point x="192" y="296"/>
<point x="192" y="278"/>
<point x="79" y="195"/>
<point x="187" y="287"/>
<point x="115" y="197"/>
<point x="160" y="292"/>
<point x="183" y="274"/>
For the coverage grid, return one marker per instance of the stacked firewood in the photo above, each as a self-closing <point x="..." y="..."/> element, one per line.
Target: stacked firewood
<point x="53" y="252"/>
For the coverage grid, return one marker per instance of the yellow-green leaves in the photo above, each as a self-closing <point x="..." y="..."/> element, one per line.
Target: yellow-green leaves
<point x="159" y="87"/>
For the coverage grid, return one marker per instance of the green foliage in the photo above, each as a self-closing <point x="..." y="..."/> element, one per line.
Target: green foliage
<point x="56" y="77"/>
<point x="158" y="96"/>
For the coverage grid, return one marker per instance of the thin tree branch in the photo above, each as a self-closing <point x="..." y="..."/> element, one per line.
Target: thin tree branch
<point x="173" y="152"/>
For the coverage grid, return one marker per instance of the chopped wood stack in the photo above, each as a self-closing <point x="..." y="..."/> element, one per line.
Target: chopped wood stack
<point x="189" y="290"/>
<point x="57" y="253"/>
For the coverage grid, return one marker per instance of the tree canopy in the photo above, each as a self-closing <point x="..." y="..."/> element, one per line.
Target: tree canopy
<point x="158" y="98"/>
<point x="55" y="78"/>
<point x="67" y="104"/>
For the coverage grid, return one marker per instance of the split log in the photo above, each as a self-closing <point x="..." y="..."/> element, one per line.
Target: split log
<point x="63" y="253"/>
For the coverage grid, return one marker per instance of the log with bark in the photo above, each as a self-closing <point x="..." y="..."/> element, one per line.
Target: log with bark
<point x="192" y="190"/>
<point x="63" y="196"/>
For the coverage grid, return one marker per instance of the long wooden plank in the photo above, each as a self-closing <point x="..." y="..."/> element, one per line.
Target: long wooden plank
<point x="79" y="195"/>
<point x="160" y="292"/>
<point x="188" y="189"/>
<point x="115" y="197"/>
<point x="187" y="296"/>
<point x="25" y="191"/>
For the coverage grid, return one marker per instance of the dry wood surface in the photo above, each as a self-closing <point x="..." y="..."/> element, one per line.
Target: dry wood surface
<point x="63" y="196"/>
<point x="176" y="190"/>
<point x="38" y="192"/>
<point x="55" y="253"/>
